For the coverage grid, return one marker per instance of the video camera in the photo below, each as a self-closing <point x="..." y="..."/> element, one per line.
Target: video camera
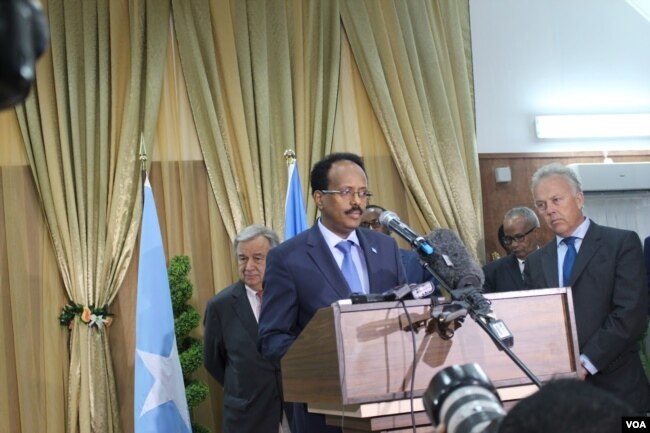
<point x="464" y="399"/>
<point x="23" y="39"/>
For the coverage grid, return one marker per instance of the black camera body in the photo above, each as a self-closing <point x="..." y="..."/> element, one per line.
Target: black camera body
<point x="23" y="39"/>
<point x="464" y="399"/>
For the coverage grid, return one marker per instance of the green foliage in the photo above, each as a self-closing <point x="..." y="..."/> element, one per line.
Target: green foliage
<point x="182" y="287"/>
<point x="186" y="318"/>
<point x="198" y="428"/>
<point x="185" y="321"/>
<point x="192" y="357"/>
<point x="196" y="392"/>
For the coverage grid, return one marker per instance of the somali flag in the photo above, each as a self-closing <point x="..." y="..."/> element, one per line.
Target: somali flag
<point x="160" y="405"/>
<point x="295" y="218"/>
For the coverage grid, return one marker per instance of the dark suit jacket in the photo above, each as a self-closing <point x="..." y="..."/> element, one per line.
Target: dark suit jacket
<point x="646" y="253"/>
<point x="251" y="384"/>
<point x="610" y="299"/>
<point x="503" y="275"/>
<point x="415" y="272"/>
<point x="302" y="277"/>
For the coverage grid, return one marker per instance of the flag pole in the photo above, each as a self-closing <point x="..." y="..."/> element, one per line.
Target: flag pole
<point x="289" y="157"/>
<point x="295" y="218"/>
<point x="143" y="157"/>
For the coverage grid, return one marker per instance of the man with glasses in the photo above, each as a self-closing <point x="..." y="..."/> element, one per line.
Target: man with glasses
<point x="325" y="264"/>
<point x="415" y="272"/>
<point x="520" y="226"/>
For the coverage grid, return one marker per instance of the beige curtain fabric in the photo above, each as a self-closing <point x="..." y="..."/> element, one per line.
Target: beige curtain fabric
<point x="415" y="63"/>
<point x="255" y="79"/>
<point x="34" y="355"/>
<point x="262" y="77"/>
<point x="81" y="127"/>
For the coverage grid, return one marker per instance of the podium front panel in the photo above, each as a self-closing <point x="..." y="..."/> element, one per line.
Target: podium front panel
<point x="352" y="354"/>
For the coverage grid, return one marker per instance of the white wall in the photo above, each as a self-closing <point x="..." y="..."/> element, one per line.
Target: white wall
<point x="536" y="57"/>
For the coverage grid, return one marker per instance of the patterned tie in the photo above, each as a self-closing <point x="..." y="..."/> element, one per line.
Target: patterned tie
<point x="569" y="259"/>
<point x="348" y="268"/>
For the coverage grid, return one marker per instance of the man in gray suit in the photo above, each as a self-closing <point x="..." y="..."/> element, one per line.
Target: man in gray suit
<point x="325" y="264"/>
<point x="520" y="227"/>
<point x="251" y="385"/>
<point x="604" y="267"/>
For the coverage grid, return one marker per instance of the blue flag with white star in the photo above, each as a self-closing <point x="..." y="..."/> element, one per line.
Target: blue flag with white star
<point x="160" y="405"/>
<point x="295" y="218"/>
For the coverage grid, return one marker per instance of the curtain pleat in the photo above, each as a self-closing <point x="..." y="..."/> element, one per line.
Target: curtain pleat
<point x="262" y="77"/>
<point x="82" y="128"/>
<point x="414" y="61"/>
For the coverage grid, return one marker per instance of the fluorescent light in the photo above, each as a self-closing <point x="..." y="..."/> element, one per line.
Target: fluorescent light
<point x="642" y="7"/>
<point x="593" y="126"/>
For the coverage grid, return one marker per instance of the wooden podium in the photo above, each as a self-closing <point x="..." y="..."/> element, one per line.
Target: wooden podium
<point x="354" y="363"/>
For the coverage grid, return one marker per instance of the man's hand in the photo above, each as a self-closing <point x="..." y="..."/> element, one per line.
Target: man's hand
<point x="583" y="373"/>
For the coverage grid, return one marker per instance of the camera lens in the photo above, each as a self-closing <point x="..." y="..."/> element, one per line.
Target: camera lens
<point x="463" y="398"/>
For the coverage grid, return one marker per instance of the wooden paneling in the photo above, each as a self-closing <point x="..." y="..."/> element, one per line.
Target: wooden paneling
<point x="499" y="197"/>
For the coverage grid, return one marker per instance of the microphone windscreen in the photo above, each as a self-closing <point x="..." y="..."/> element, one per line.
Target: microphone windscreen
<point x="461" y="270"/>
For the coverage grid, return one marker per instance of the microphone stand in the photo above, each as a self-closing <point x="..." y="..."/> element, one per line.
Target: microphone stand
<point x="481" y="315"/>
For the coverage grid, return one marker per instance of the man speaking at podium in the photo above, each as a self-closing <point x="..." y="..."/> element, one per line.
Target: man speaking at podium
<point x="325" y="264"/>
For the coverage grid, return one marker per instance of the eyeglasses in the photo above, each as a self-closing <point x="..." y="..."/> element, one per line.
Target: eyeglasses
<point x="348" y="193"/>
<point x="375" y="224"/>
<point x="507" y="240"/>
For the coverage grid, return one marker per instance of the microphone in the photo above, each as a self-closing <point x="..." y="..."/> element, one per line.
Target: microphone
<point x="391" y="221"/>
<point x="406" y="291"/>
<point x="453" y="263"/>
<point x="465" y="277"/>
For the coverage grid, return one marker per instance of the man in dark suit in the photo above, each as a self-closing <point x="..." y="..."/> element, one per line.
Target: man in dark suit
<point x="604" y="267"/>
<point x="646" y="253"/>
<point x="251" y="384"/>
<point x="315" y="269"/>
<point x="415" y="272"/>
<point x="520" y="226"/>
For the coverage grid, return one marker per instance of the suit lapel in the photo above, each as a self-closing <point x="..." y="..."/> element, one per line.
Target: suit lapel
<point x="322" y="257"/>
<point x="549" y="255"/>
<point x="242" y="307"/>
<point x="371" y="255"/>
<point x="588" y="248"/>
<point x="514" y="272"/>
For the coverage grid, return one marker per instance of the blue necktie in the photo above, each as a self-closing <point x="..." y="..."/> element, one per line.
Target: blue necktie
<point x="347" y="267"/>
<point x="569" y="259"/>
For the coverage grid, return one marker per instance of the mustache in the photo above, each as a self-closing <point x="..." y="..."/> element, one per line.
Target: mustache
<point x="353" y="209"/>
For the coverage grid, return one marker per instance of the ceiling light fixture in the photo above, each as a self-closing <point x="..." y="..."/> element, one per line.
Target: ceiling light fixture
<point x="592" y="126"/>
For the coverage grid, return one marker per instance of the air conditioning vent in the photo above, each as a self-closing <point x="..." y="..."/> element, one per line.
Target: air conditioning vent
<point x="621" y="176"/>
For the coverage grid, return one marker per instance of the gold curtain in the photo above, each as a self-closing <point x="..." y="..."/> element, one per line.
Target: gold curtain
<point x="414" y="61"/>
<point x="81" y="127"/>
<point x="34" y="356"/>
<point x="242" y="101"/>
<point x="262" y="76"/>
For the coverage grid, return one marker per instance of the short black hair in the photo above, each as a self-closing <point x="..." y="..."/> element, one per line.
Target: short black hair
<point x="321" y="169"/>
<point x="567" y="405"/>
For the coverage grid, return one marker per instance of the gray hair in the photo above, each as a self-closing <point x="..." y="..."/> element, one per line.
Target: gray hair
<point x="254" y="230"/>
<point x="524" y="212"/>
<point x="556" y="169"/>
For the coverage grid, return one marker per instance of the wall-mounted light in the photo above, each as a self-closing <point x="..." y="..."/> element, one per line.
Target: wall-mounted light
<point x="592" y="126"/>
<point x="642" y="7"/>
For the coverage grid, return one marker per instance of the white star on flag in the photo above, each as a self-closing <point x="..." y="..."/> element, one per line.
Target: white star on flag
<point x="168" y="385"/>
